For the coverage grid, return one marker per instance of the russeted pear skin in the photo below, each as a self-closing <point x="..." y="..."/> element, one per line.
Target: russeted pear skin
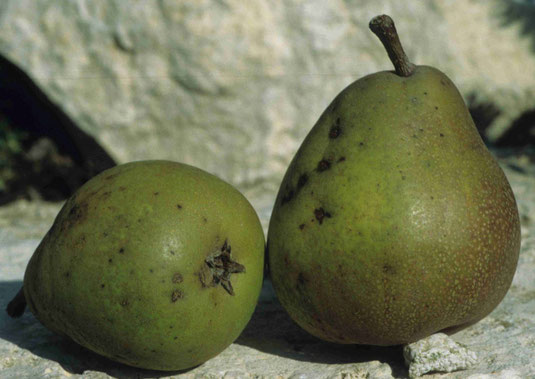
<point x="155" y="264"/>
<point x="393" y="220"/>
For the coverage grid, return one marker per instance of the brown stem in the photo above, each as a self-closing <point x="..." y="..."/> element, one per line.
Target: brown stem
<point x="384" y="28"/>
<point x="16" y="307"/>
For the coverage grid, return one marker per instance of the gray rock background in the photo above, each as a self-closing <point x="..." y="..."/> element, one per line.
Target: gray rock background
<point x="233" y="87"/>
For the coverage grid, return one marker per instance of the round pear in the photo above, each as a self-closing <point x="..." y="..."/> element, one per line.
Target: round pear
<point x="154" y="264"/>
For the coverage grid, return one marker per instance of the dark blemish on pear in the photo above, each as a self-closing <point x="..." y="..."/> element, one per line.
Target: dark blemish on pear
<point x="218" y="267"/>
<point x="290" y="193"/>
<point x="77" y="213"/>
<point x="177" y="278"/>
<point x="175" y="295"/>
<point x="303" y="179"/>
<point x="323" y="165"/>
<point x="388" y="269"/>
<point x="111" y="176"/>
<point x="287" y="197"/>
<point x="320" y="214"/>
<point x="335" y="130"/>
<point x="301" y="280"/>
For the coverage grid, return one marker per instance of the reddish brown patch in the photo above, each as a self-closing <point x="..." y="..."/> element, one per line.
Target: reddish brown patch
<point x="323" y="165"/>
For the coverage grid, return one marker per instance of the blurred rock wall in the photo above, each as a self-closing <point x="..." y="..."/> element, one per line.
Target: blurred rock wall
<point x="233" y="86"/>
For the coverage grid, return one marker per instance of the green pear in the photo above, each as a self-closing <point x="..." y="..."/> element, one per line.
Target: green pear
<point x="393" y="220"/>
<point x="154" y="264"/>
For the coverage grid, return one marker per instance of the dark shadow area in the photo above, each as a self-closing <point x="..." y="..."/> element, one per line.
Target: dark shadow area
<point x="520" y="12"/>
<point x="483" y="114"/>
<point x="521" y="133"/>
<point x="27" y="333"/>
<point x="517" y="139"/>
<point x="272" y="331"/>
<point x="53" y="156"/>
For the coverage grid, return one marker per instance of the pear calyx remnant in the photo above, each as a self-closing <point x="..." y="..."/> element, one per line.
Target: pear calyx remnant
<point x="218" y="267"/>
<point x="384" y="28"/>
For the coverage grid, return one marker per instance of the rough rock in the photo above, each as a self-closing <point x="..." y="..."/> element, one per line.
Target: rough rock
<point x="437" y="353"/>
<point x="233" y="86"/>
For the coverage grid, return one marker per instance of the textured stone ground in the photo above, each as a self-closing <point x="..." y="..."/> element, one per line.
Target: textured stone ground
<point x="272" y="346"/>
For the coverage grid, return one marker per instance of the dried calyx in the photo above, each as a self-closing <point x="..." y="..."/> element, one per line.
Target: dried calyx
<point x="218" y="268"/>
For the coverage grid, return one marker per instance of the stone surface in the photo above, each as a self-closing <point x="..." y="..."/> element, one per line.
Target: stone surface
<point x="233" y="87"/>
<point x="437" y="353"/>
<point x="272" y="346"/>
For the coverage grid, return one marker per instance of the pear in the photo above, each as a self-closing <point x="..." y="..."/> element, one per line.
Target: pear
<point x="154" y="264"/>
<point x="393" y="220"/>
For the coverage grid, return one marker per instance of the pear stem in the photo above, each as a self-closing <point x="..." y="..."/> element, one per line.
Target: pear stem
<point x="16" y="307"/>
<point x="384" y="28"/>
